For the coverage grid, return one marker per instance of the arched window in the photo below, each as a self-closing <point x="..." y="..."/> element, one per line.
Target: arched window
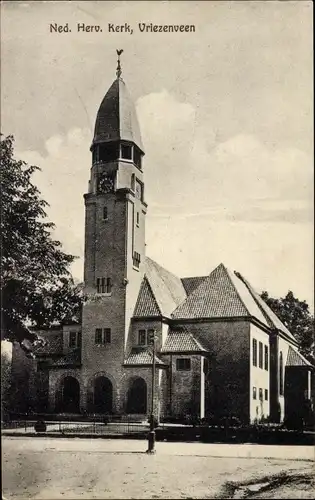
<point x="68" y="396"/>
<point x="137" y="396"/>
<point x="281" y="374"/>
<point x="103" y="395"/>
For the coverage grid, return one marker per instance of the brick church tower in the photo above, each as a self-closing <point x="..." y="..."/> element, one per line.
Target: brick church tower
<point x="114" y="241"/>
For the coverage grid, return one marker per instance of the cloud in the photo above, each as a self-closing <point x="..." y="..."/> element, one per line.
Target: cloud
<point x="187" y="168"/>
<point x="235" y="201"/>
<point x="63" y="179"/>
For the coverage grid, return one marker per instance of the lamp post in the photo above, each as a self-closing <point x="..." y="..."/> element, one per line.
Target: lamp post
<point x="151" y="436"/>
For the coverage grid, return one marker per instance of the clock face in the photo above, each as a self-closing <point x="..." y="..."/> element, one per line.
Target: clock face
<point x="138" y="190"/>
<point x="105" y="184"/>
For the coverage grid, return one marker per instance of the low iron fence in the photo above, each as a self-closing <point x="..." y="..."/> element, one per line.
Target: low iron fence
<point x="92" y="424"/>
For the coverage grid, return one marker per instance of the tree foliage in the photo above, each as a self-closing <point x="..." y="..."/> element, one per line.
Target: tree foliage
<point x="37" y="288"/>
<point x="296" y="316"/>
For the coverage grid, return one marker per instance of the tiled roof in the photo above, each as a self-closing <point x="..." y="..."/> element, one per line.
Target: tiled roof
<point x="181" y="341"/>
<point x="53" y="343"/>
<point x="272" y="319"/>
<point x="166" y="288"/>
<point x="142" y="356"/>
<point x="215" y="297"/>
<point x="117" y="118"/>
<point x="146" y="304"/>
<point x="296" y="359"/>
<point x="69" y="359"/>
<point x="191" y="283"/>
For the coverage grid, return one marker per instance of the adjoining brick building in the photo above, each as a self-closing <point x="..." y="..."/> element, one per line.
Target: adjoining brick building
<point x="219" y="349"/>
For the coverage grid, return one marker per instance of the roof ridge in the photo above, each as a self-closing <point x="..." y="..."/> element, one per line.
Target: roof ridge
<point x="284" y="329"/>
<point x="195" y="292"/>
<point x="236" y="290"/>
<point x="249" y="288"/>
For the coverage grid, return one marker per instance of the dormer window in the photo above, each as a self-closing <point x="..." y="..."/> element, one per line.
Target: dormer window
<point x="126" y="151"/>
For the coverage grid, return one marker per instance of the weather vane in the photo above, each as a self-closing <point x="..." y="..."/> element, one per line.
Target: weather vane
<point x="118" y="70"/>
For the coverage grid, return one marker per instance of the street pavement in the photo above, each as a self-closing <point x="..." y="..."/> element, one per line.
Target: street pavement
<point x="43" y="468"/>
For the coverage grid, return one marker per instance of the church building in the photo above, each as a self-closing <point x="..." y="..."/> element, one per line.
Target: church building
<point x="217" y="347"/>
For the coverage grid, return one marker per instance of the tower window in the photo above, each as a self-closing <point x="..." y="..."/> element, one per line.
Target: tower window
<point x="260" y="394"/>
<point x="137" y="158"/>
<point x="104" y="285"/>
<point x="266" y="394"/>
<point x="98" y="336"/>
<point x="108" y="152"/>
<point x="133" y="182"/>
<point x="126" y="151"/>
<point x="183" y="364"/>
<point x="138" y="219"/>
<point x="254" y="352"/>
<point x="102" y="336"/>
<point x="105" y="213"/>
<point x="254" y="393"/>
<point x="136" y="259"/>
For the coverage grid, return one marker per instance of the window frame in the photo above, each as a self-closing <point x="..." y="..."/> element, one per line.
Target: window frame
<point x="73" y="340"/>
<point x="260" y="355"/>
<point x="266" y="358"/>
<point x="254" y="353"/>
<point x="124" y="146"/>
<point x="104" y="286"/>
<point x="104" y="335"/>
<point x="183" y="368"/>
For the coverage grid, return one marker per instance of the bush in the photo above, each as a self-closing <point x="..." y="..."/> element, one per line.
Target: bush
<point x="40" y="426"/>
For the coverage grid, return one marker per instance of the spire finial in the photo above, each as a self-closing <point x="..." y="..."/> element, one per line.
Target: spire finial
<point x="118" y="70"/>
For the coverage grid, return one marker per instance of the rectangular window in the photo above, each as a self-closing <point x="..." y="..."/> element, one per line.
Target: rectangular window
<point x="79" y="339"/>
<point x="103" y="285"/>
<point x="105" y="213"/>
<point x="266" y="394"/>
<point x="183" y="364"/>
<point x="254" y="393"/>
<point x="260" y="394"/>
<point x="136" y="259"/>
<point x="260" y="355"/>
<point x="98" y="336"/>
<point x="266" y="357"/>
<point x="254" y="352"/>
<point x="142" y="337"/>
<point x="108" y="287"/>
<point x="138" y="219"/>
<point x="126" y="151"/>
<point x="137" y="157"/>
<point x="107" y="335"/>
<point x="73" y="339"/>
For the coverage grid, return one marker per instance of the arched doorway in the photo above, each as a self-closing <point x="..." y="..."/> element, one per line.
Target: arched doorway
<point x="137" y="396"/>
<point x="69" y="395"/>
<point x="103" y="395"/>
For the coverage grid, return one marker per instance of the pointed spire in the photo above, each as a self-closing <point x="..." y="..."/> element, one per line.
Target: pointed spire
<point x="118" y="70"/>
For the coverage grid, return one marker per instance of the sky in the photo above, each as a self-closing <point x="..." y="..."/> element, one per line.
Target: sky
<point x="226" y="120"/>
